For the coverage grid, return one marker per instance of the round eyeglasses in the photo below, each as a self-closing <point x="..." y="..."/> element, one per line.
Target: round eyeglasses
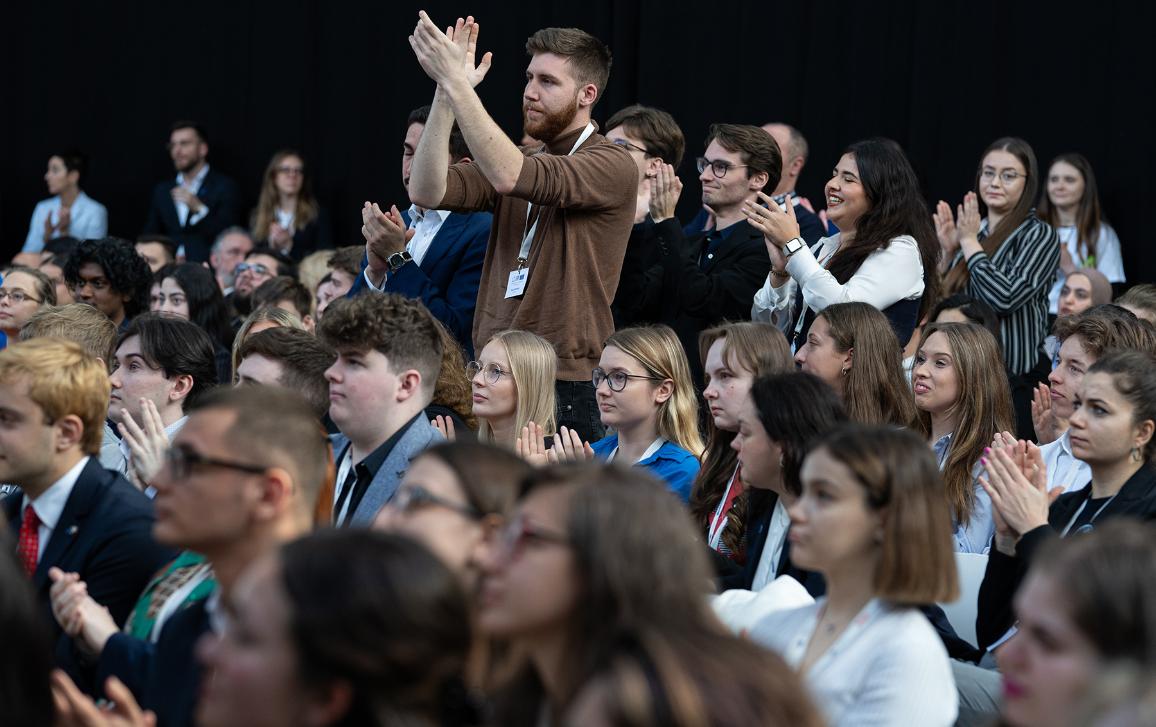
<point x="617" y="379"/>
<point x="493" y="372"/>
<point x="718" y="167"/>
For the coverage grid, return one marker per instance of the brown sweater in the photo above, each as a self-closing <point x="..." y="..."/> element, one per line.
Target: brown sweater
<point x="586" y="202"/>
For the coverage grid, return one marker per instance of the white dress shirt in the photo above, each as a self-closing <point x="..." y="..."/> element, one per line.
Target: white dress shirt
<point x="87" y="220"/>
<point x="773" y="549"/>
<point x="1109" y="259"/>
<point x="1063" y="467"/>
<point x="194" y="186"/>
<point x="887" y="668"/>
<point x="49" y="506"/>
<point x="425" y="225"/>
<point x="888" y="275"/>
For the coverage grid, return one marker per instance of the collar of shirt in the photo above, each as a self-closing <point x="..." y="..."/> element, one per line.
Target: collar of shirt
<point x="195" y="185"/>
<point x="373" y="461"/>
<point x="170" y="432"/>
<point x="50" y="505"/>
<point x="426" y="224"/>
<point x="942" y="447"/>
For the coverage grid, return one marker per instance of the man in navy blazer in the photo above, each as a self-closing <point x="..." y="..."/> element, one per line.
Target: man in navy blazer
<point x="389" y="355"/>
<point x="431" y="255"/>
<point x="71" y="513"/>
<point x="200" y="203"/>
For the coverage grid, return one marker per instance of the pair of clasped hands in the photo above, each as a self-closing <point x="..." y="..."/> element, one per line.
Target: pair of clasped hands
<point x="531" y="443"/>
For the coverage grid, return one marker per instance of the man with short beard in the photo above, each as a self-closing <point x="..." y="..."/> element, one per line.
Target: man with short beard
<point x="199" y="203"/>
<point x="563" y="209"/>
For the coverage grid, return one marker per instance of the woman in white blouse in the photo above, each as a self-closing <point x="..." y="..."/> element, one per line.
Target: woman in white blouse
<point x="68" y="212"/>
<point x="873" y="520"/>
<point x="881" y="255"/>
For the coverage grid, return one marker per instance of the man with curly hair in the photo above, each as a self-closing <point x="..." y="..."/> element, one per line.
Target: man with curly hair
<point x="111" y="276"/>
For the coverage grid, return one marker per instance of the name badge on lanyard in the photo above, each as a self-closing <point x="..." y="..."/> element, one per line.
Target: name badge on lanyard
<point x="516" y="285"/>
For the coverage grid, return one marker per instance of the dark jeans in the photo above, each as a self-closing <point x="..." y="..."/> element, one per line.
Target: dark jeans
<point x="1022" y="387"/>
<point x="576" y="409"/>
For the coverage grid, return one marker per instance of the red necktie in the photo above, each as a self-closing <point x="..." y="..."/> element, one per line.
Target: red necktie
<point x="28" y="549"/>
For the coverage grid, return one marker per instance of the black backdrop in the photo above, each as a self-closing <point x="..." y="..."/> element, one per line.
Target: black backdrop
<point x="336" y="80"/>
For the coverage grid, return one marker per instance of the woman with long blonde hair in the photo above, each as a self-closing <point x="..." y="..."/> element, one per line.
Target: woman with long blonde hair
<point x="513" y="386"/>
<point x="963" y="399"/>
<point x="287" y="217"/>
<point x="645" y="393"/>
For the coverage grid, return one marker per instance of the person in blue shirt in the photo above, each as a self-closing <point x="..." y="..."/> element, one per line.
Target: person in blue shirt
<point x="645" y="393"/>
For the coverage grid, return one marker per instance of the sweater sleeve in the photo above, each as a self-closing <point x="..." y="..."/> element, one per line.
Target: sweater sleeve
<point x="467" y="190"/>
<point x="596" y="177"/>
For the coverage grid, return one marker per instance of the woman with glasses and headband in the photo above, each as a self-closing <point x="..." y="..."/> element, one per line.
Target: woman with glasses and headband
<point x="1111" y="430"/>
<point x="884" y="254"/>
<point x="513" y="390"/>
<point x="23" y="292"/>
<point x="602" y="573"/>
<point x="1007" y="259"/>
<point x="645" y="394"/>
<point x="288" y="218"/>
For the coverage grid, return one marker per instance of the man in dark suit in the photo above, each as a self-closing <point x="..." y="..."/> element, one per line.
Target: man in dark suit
<point x="200" y="202"/>
<point x="71" y="513"/>
<point x="389" y="354"/>
<point x="694" y="283"/>
<point x="434" y="256"/>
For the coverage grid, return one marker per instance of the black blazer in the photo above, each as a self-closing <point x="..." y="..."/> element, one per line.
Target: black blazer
<point x="219" y="193"/>
<point x="662" y="281"/>
<point x="762" y="508"/>
<point x="105" y="535"/>
<point x="317" y="235"/>
<point x="1137" y="498"/>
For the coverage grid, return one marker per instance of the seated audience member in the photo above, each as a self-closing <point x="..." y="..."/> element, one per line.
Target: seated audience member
<point x="1083" y="288"/>
<point x="68" y="212"/>
<point x="259" y="320"/>
<point x="288" y="294"/>
<point x="853" y="349"/>
<point x="962" y="308"/>
<point x="111" y="276"/>
<point x="228" y="251"/>
<point x="884" y="254"/>
<point x="446" y="249"/>
<point x="201" y="202"/>
<point x="52" y="265"/>
<point x="1072" y="206"/>
<point x="26" y="659"/>
<point x="794" y="148"/>
<point x="287" y="217"/>
<point x="513" y="389"/>
<point x="289" y="358"/>
<point x="962" y="396"/>
<point x="23" y="292"/>
<point x="872" y="519"/>
<point x="161" y="366"/>
<point x="1008" y="260"/>
<point x="315" y="266"/>
<point x="388" y="356"/>
<point x="553" y="586"/>
<point x="1087" y="603"/>
<point x="82" y="324"/>
<point x="1110" y="430"/>
<point x="157" y="250"/>
<point x="1081" y="341"/>
<point x="1141" y="300"/>
<point x="734" y="354"/>
<point x="455" y="498"/>
<point x="784" y="416"/>
<point x="699" y="282"/>
<point x="72" y="513"/>
<point x="453" y="392"/>
<point x="261" y="264"/>
<point x="341" y="272"/>
<point x="239" y="480"/>
<point x="649" y="402"/>
<point x="189" y="291"/>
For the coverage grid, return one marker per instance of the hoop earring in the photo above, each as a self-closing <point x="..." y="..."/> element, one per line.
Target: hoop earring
<point x="1136" y="454"/>
<point x="844" y="371"/>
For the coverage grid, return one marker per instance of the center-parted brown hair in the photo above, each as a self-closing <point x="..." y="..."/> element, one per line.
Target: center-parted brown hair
<point x="875" y="389"/>
<point x="900" y="476"/>
<point x="589" y="58"/>
<point x="266" y="213"/>
<point x="399" y="328"/>
<point x="984" y="407"/>
<point x="655" y="128"/>
<point x="757" y="148"/>
<point x="303" y="358"/>
<point x="63" y="379"/>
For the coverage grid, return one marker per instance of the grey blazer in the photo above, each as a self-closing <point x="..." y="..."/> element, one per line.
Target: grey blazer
<point x="419" y="436"/>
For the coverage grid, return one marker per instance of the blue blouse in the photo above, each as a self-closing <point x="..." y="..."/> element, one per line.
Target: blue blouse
<point x="671" y="463"/>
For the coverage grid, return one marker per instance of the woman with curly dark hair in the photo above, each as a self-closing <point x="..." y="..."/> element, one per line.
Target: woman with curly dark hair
<point x="110" y="275"/>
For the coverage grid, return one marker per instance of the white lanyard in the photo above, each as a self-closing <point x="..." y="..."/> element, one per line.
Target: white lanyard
<point x="718" y="521"/>
<point x="1081" y="509"/>
<point x="528" y="236"/>
<point x="803" y="311"/>
<point x="650" y="451"/>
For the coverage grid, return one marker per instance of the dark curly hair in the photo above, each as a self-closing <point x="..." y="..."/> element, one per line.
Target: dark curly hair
<point x="126" y="270"/>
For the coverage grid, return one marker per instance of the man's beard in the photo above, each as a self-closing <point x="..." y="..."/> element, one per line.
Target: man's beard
<point x="551" y="125"/>
<point x="190" y="166"/>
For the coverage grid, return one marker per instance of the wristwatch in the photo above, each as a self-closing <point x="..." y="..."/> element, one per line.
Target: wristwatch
<point x="792" y="246"/>
<point x="397" y="260"/>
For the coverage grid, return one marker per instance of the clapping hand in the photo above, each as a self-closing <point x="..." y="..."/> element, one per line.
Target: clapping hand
<point x="945" y="229"/>
<point x="569" y="447"/>
<point x="280" y="238"/>
<point x="184" y="194"/>
<point x="148" y="444"/>
<point x="75" y="709"/>
<point x="385" y="233"/>
<point x="450" y="55"/>
<point x="89" y="623"/>
<point x="531" y="445"/>
<point x="665" y="189"/>
<point x="445" y="425"/>
<point x="968" y="219"/>
<point x="1019" y="503"/>
<point x="778" y="226"/>
<point x="1048" y="426"/>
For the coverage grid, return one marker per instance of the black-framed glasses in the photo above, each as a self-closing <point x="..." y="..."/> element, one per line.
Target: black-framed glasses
<point x="617" y="379"/>
<point x="520" y="531"/>
<point x="628" y="145"/>
<point x="1007" y="176"/>
<point x="494" y="372"/>
<point x="718" y="167"/>
<point x="415" y="497"/>
<point x="257" y="268"/>
<point x="181" y="461"/>
<point x="17" y="296"/>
